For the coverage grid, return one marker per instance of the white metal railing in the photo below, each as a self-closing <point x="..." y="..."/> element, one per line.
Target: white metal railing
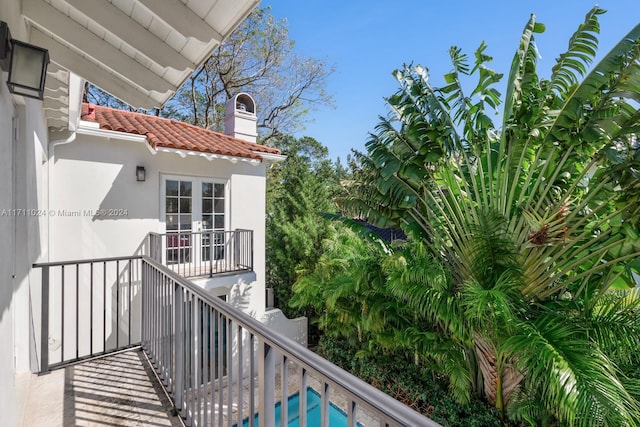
<point x="220" y="366"/>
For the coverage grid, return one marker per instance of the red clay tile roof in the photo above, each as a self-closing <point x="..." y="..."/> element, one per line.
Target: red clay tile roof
<point x="167" y="133"/>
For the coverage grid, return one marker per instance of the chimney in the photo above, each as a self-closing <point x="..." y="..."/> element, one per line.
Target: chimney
<point x="240" y="119"/>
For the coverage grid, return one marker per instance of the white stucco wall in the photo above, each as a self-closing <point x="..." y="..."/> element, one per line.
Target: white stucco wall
<point x="250" y="214"/>
<point x="295" y="329"/>
<point x="7" y="370"/>
<point x="22" y="183"/>
<point x="94" y="173"/>
<point x="30" y="227"/>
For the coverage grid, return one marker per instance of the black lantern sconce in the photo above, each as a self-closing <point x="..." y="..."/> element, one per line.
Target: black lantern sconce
<point x="140" y="174"/>
<point x="26" y="64"/>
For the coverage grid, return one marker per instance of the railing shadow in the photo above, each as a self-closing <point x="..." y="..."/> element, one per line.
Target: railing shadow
<point x="116" y="390"/>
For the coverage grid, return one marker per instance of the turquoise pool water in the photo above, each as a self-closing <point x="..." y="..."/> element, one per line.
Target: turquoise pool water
<point x="337" y="418"/>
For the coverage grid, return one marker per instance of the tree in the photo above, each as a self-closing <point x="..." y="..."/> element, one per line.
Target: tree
<point x="94" y="95"/>
<point x="536" y="222"/>
<point x="346" y="288"/>
<point x="298" y="190"/>
<point x="258" y="58"/>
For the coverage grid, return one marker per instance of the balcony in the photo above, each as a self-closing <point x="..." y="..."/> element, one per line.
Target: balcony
<point x="217" y="365"/>
<point x="204" y="253"/>
<point x="118" y="389"/>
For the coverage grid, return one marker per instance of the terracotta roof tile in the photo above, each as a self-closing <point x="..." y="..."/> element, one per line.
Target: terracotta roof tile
<point x="167" y="133"/>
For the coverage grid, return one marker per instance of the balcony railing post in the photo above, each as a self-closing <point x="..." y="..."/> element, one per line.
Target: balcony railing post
<point x="251" y="249"/>
<point x="143" y="304"/>
<point x="178" y="307"/>
<point x="211" y="253"/>
<point x="151" y="249"/>
<point x="237" y="261"/>
<point x="163" y="248"/>
<point x="267" y="383"/>
<point x="44" y="325"/>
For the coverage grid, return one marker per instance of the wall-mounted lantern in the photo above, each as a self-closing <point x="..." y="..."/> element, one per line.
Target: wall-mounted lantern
<point x="140" y="173"/>
<point x="26" y="64"/>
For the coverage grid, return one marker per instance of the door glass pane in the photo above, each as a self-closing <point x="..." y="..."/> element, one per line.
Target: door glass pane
<point x="172" y="188"/>
<point x="172" y="222"/>
<point x="185" y="222"/>
<point x="207" y="189"/>
<point x="207" y="206"/>
<point x="218" y="222"/>
<point x="185" y="205"/>
<point x="219" y="206"/>
<point x="207" y="222"/>
<point x="172" y="204"/>
<point x="218" y="245"/>
<point x="219" y="190"/>
<point x="185" y="188"/>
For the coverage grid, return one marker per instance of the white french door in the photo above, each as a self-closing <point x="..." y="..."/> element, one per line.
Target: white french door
<point x="194" y="214"/>
<point x="213" y="218"/>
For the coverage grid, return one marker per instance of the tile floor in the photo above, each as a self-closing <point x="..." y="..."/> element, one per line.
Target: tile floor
<point x="118" y="390"/>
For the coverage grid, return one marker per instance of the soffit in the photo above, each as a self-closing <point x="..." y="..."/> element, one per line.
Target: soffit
<point x="140" y="51"/>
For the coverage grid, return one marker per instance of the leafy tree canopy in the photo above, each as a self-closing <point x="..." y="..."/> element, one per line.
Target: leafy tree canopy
<point x="258" y="58"/>
<point x="298" y="190"/>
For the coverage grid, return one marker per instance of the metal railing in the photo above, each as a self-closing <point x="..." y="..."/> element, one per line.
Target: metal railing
<point x="203" y="253"/>
<point x="220" y="366"/>
<point x="88" y="308"/>
<point x="211" y="356"/>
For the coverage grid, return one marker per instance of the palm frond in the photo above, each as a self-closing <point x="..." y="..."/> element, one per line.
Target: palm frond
<point x="572" y="64"/>
<point x="568" y="368"/>
<point x="563" y="121"/>
<point x="525" y="54"/>
<point x="614" y="322"/>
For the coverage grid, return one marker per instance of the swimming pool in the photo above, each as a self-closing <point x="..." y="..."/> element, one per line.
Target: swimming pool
<point x="337" y="417"/>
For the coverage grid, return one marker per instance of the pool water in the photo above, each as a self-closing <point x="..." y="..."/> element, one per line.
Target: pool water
<point x="337" y="417"/>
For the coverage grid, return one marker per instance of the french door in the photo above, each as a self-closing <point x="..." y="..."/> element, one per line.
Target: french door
<point x="195" y="219"/>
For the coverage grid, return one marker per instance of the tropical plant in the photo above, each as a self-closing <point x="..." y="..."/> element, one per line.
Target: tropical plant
<point x="345" y="287"/>
<point x="535" y="220"/>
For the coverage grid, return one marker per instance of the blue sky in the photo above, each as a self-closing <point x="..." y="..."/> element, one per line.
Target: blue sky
<point x="367" y="40"/>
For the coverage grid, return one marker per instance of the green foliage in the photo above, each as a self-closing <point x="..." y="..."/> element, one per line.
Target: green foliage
<point x="345" y="288"/>
<point x="298" y="190"/>
<point x="409" y="383"/>
<point x="524" y="238"/>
